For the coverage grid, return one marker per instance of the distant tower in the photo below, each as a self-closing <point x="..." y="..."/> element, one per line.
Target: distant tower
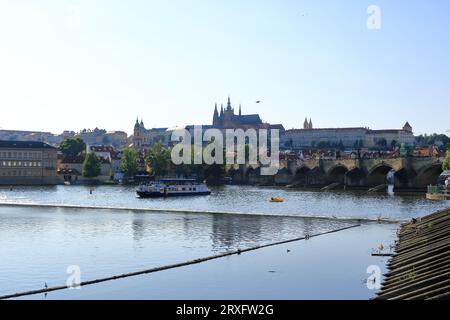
<point x="221" y="110"/>
<point x="306" y="124"/>
<point x="310" y="124"/>
<point x="229" y="104"/>
<point x="215" y="116"/>
<point x="407" y="127"/>
<point x="240" y="110"/>
<point x="137" y="137"/>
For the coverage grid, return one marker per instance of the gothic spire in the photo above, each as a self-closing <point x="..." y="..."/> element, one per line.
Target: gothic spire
<point x="310" y="124"/>
<point x="229" y="104"/>
<point x="306" y="124"/>
<point x="216" y="114"/>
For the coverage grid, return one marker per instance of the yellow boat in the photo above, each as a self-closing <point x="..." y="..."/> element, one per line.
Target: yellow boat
<point x="276" y="200"/>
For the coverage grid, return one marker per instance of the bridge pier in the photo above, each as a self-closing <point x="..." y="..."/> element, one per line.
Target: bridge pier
<point x="404" y="180"/>
<point x="283" y="177"/>
<point x="355" y="179"/>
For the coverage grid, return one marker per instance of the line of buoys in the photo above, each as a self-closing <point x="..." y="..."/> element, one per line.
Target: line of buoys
<point x="172" y="266"/>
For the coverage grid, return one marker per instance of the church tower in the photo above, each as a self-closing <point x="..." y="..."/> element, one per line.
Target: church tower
<point x="229" y="108"/>
<point x="215" y="116"/>
<point x="137" y="134"/>
<point x="306" y="124"/>
<point x="228" y="115"/>
<point x="407" y="127"/>
<point x="310" y="125"/>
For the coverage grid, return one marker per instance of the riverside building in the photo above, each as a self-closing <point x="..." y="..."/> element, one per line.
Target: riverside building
<point x="27" y="163"/>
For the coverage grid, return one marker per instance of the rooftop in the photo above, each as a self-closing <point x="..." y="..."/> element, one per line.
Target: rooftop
<point x="327" y="129"/>
<point x="25" y="145"/>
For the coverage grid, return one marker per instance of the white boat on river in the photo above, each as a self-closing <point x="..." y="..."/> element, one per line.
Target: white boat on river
<point x="173" y="187"/>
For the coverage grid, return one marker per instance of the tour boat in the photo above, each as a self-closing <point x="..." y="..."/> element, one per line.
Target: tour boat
<point x="173" y="187"/>
<point x="276" y="200"/>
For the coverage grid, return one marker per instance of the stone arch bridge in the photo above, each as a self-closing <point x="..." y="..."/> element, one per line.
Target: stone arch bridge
<point x="407" y="173"/>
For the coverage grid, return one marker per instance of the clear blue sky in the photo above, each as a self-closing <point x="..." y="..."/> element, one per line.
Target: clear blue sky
<point x="82" y="64"/>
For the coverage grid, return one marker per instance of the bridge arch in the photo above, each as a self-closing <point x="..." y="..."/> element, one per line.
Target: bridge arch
<point x="378" y="175"/>
<point x="301" y="175"/>
<point x="356" y="177"/>
<point x="428" y="175"/>
<point x="253" y="175"/>
<point x="283" y="177"/>
<point x="237" y="175"/>
<point x="252" y="171"/>
<point x="337" y="173"/>
<point x="403" y="178"/>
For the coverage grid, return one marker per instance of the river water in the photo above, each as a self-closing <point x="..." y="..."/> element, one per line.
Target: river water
<point x="238" y="199"/>
<point x="38" y="244"/>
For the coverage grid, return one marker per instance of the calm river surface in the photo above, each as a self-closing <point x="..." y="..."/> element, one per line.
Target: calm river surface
<point x="239" y="199"/>
<point x="37" y="244"/>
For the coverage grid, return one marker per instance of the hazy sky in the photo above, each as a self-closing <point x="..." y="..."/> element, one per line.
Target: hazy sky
<point x="82" y="64"/>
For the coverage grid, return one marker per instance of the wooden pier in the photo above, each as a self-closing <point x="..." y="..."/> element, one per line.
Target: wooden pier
<point x="420" y="267"/>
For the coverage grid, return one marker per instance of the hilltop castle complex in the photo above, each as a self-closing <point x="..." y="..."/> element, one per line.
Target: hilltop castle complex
<point x="308" y="137"/>
<point x="227" y="119"/>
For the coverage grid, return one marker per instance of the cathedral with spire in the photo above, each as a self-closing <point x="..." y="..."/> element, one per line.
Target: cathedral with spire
<point x="228" y="119"/>
<point x="144" y="138"/>
<point x="307" y="125"/>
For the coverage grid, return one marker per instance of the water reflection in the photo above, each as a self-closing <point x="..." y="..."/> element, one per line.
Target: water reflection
<point x="228" y="232"/>
<point x="39" y="243"/>
<point x="138" y="227"/>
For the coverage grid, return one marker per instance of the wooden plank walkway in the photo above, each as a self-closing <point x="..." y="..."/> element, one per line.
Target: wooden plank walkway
<point x="420" y="267"/>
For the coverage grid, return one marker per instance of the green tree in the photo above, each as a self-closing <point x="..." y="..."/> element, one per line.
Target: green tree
<point x="129" y="162"/>
<point x="158" y="159"/>
<point x="381" y="142"/>
<point x="441" y="140"/>
<point x="323" y="144"/>
<point x="446" y="164"/>
<point x="72" y="146"/>
<point x="91" y="166"/>
<point x="394" y="144"/>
